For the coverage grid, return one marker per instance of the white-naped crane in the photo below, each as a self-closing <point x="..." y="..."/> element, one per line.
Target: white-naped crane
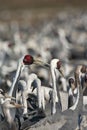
<point x="74" y="113"/>
<point x="22" y="63"/>
<point x="46" y="92"/>
<point x="8" y="110"/>
<point x="55" y="64"/>
<point x="7" y="103"/>
<point x="28" y="60"/>
<point x="3" y="96"/>
<point x="69" y="116"/>
<point x="77" y="107"/>
<point x="79" y="75"/>
<point x="72" y="93"/>
<point x="26" y="88"/>
<point x="41" y="92"/>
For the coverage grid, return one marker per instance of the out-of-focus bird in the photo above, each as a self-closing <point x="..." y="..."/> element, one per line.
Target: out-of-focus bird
<point x="72" y="92"/>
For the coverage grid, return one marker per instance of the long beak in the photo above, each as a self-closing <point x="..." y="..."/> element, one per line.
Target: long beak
<point x="33" y="89"/>
<point x="7" y="96"/>
<point x="61" y="71"/>
<point x="14" y="105"/>
<point x="18" y="105"/>
<point x="41" y="63"/>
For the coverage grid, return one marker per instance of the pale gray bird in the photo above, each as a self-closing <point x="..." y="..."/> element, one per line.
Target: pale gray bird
<point x="45" y="91"/>
<point x="8" y="109"/>
<point x="22" y="63"/>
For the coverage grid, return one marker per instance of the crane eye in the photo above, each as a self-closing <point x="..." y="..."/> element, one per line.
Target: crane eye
<point x="71" y="80"/>
<point x="83" y="69"/>
<point x="59" y="64"/>
<point x="28" y="60"/>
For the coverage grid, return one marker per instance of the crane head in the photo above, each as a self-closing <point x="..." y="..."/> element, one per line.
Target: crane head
<point x="28" y="60"/>
<point x="71" y="81"/>
<point x="11" y="104"/>
<point x="83" y="69"/>
<point x="60" y="68"/>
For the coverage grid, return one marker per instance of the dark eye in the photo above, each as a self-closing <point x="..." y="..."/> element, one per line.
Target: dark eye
<point x="71" y="80"/>
<point x="28" y="60"/>
<point x="83" y="69"/>
<point x="59" y="64"/>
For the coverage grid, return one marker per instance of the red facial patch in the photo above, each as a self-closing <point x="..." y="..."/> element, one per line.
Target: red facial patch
<point x="28" y="60"/>
<point x="59" y="64"/>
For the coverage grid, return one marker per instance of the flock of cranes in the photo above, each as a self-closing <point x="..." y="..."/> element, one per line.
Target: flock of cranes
<point x="40" y="81"/>
<point x="16" y="99"/>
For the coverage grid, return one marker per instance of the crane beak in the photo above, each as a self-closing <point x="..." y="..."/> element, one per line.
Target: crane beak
<point x="18" y="105"/>
<point x="14" y="105"/>
<point x="41" y="63"/>
<point x="61" y="71"/>
<point x="33" y="89"/>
